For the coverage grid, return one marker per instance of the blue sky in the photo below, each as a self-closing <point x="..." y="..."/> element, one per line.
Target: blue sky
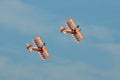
<point x="95" y="58"/>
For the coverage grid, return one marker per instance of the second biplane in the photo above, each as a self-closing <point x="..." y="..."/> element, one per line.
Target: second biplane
<point x="73" y="29"/>
<point x="40" y="47"/>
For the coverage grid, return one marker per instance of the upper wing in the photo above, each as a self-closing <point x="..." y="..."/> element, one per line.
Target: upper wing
<point x="73" y="23"/>
<point x="79" y="34"/>
<point x="68" y="25"/>
<point x="46" y="51"/>
<point x="39" y="40"/>
<point x="43" y="46"/>
<point x="76" y="38"/>
<point x="76" y="28"/>
<point x="42" y="56"/>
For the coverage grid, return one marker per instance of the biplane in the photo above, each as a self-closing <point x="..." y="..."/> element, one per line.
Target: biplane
<point x="73" y="29"/>
<point x="40" y="47"/>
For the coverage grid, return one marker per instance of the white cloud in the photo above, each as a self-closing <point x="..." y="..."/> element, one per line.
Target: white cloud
<point x="110" y="48"/>
<point x="23" y="17"/>
<point x="65" y="70"/>
<point x="101" y="33"/>
<point x="106" y="38"/>
<point x="113" y="50"/>
<point x="16" y="15"/>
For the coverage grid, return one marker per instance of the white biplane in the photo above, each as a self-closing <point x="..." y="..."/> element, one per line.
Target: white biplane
<point x="40" y="47"/>
<point x="73" y="29"/>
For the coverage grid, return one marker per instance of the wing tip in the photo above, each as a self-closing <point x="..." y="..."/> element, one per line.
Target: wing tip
<point x="82" y="38"/>
<point x="70" y="17"/>
<point x="49" y="56"/>
<point x="37" y="36"/>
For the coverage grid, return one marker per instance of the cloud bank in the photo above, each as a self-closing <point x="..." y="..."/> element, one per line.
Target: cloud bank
<point x="16" y="15"/>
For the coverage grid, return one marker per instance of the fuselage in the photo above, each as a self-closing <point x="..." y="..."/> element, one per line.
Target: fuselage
<point x="71" y="31"/>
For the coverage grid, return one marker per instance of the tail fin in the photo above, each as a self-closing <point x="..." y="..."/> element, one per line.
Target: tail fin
<point x="29" y="47"/>
<point x="63" y="30"/>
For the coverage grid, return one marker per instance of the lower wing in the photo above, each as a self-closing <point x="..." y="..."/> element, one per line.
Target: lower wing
<point x="42" y="56"/>
<point x="76" y="38"/>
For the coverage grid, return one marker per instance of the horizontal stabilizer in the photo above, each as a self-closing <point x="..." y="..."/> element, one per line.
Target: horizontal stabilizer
<point x="29" y="47"/>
